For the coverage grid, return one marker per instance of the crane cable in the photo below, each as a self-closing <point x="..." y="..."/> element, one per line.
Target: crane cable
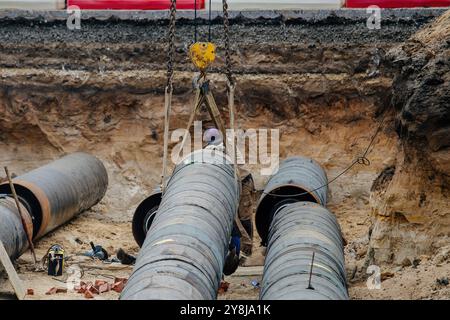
<point x="195" y="21"/>
<point x="226" y="26"/>
<point x="196" y="25"/>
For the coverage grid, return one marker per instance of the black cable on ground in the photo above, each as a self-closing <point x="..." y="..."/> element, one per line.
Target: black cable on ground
<point x="363" y="160"/>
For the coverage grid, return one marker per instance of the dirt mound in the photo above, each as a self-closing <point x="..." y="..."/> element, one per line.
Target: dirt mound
<point x="412" y="209"/>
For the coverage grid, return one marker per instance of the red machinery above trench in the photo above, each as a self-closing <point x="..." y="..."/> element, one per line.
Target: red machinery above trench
<point x="204" y="5"/>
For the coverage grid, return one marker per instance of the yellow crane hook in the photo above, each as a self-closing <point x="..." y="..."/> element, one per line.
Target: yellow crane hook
<point x="202" y="54"/>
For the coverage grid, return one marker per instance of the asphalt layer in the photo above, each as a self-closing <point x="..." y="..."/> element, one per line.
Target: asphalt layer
<point x="323" y="26"/>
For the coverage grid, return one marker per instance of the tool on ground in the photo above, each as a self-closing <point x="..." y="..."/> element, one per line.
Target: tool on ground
<point x="125" y="258"/>
<point x="55" y="260"/>
<point x="22" y="219"/>
<point x="255" y="284"/>
<point x="98" y="252"/>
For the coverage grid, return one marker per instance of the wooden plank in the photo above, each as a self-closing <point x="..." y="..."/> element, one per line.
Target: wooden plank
<point x="249" y="271"/>
<point x="11" y="272"/>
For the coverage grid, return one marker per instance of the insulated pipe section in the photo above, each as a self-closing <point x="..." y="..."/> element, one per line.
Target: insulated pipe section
<point x="58" y="191"/>
<point x="184" y="251"/>
<point x="298" y="230"/>
<point x="12" y="233"/>
<point x="297" y="179"/>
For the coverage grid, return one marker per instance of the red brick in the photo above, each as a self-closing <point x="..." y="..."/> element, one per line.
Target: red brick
<point x="30" y="292"/>
<point x="98" y="283"/>
<point x="223" y="287"/>
<point x="94" y="290"/>
<point x="61" y="290"/>
<point x="104" y="288"/>
<point x="124" y="280"/>
<point x="118" y="286"/>
<point x="51" y="291"/>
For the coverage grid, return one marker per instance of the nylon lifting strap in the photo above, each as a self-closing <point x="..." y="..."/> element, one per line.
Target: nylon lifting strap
<point x="229" y="74"/>
<point x="231" y="108"/>
<point x="202" y="96"/>
<point x="230" y="85"/>
<point x="169" y="88"/>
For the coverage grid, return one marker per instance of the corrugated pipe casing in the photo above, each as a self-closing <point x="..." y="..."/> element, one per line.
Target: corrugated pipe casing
<point x="297" y="230"/>
<point x="184" y="250"/>
<point x="297" y="179"/>
<point x="60" y="190"/>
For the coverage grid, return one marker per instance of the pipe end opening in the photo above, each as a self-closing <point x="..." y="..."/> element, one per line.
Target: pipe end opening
<point x="30" y="202"/>
<point x="144" y="216"/>
<point x="272" y="201"/>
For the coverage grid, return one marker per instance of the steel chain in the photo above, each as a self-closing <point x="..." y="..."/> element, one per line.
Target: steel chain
<point x="226" y="25"/>
<point x="171" y="41"/>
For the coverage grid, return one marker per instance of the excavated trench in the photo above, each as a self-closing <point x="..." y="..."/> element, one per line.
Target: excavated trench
<point x="324" y="81"/>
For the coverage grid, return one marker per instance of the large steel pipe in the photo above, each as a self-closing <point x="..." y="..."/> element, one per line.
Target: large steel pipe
<point x="297" y="230"/>
<point x="297" y="179"/>
<point x="12" y="233"/>
<point x="55" y="193"/>
<point x="185" y="247"/>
